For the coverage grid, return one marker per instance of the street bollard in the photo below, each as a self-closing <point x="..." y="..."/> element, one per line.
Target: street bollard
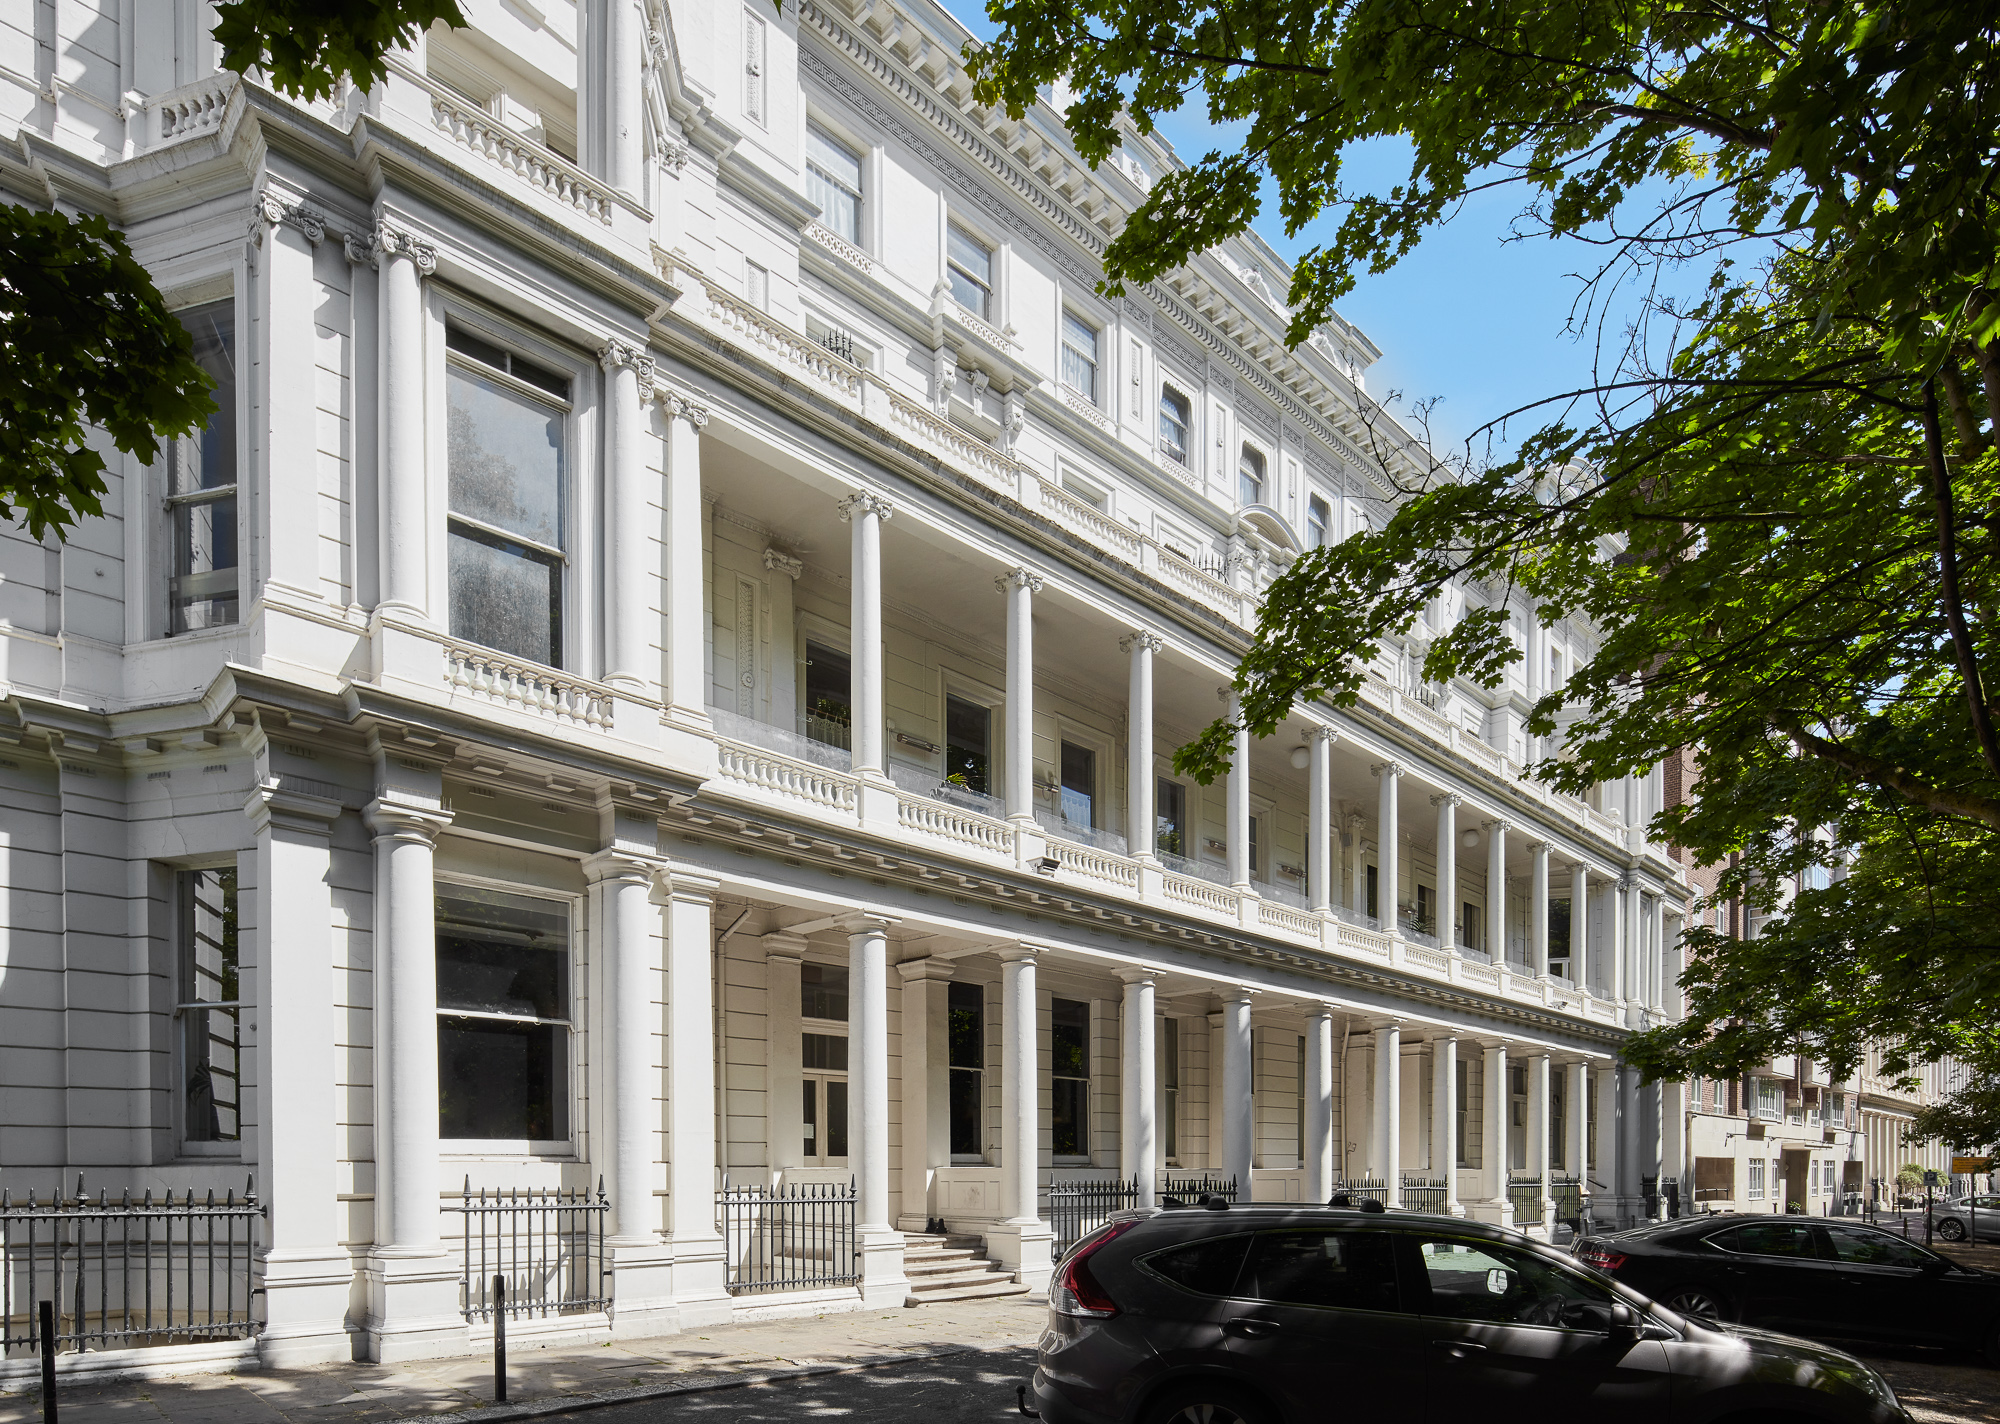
<point x="49" y="1362"/>
<point x="500" y="1339"/>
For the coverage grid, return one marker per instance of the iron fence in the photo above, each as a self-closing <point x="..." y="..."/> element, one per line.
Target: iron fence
<point x="125" y="1274"/>
<point x="1567" y="1194"/>
<point x="1372" y="1188"/>
<point x="1649" y="1197"/>
<point x="1424" y="1194"/>
<point x="548" y="1243"/>
<point x="799" y="1236"/>
<point x="1077" y="1208"/>
<point x="1526" y="1195"/>
<point x="1186" y="1191"/>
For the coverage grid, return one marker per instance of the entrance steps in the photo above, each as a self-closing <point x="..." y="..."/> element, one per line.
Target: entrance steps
<point x="942" y="1268"/>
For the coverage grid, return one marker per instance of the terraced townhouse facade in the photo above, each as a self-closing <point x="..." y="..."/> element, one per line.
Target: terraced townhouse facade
<point x="664" y="670"/>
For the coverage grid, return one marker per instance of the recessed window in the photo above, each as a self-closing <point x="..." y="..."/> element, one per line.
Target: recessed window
<point x="1462" y="1111"/>
<point x="503" y="1016"/>
<point x="1319" y="523"/>
<point x="1069" y="1077"/>
<point x="1175" y="416"/>
<point x="1079" y="784"/>
<point x="507" y="452"/>
<point x="1079" y="357"/>
<point x="1250" y="477"/>
<point x="1471" y="930"/>
<point x="968" y="741"/>
<point x="833" y="180"/>
<point x="1170" y="1089"/>
<point x="1254" y="846"/>
<point x="1170" y="817"/>
<point x="829" y="712"/>
<point x="965" y="1032"/>
<point x="823" y="992"/>
<point x="209" y="1009"/>
<point x="201" y="484"/>
<point x="968" y="271"/>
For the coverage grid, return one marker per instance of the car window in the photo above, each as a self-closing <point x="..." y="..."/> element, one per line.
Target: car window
<point x="1769" y="1238"/>
<point x="1206" y="1267"/>
<point x="1987" y="1203"/>
<point x="1490" y="1281"/>
<point x="1859" y="1246"/>
<point x="1344" y="1270"/>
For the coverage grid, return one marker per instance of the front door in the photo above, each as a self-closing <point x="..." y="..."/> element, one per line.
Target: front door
<point x="1321" y="1316"/>
<point x="1514" y="1338"/>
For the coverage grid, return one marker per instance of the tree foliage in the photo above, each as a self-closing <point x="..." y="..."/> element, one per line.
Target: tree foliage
<point x="1779" y="505"/>
<point x="305" y="46"/>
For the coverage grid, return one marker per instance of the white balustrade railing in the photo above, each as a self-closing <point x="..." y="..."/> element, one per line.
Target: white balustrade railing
<point x="1190" y="891"/>
<point x="1096" y="526"/>
<point x="1177" y="573"/>
<point x="527" y="687"/>
<point x="840" y="247"/>
<point x="1284" y="917"/>
<point x="184" y="112"/>
<point x="1100" y="865"/>
<point x="784" y="348"/>
<point x="1485" y="974"/>
<point x="929" y="428"/>
<point x="1356" y="940"/>
<point x="1428" y="958"/>
<point x="783" y="777"/>
<point x="937" y="818"/>
<point x="540" y="168"/>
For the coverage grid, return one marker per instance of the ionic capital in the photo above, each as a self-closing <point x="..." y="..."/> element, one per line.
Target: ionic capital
<point x="1326" y="734"/>
<point x="391" y="242"/>
<point x="865" y="502"/>
<point x="1386" y="768"/>
<point x="616" y="355"/>
<point x="1446" y="798"/>
<point x="274" y="206"/>
<point x="778" y="562"/>
<point x="680" y="407"/>
<point x="1019" y="578"/>
<point x="1141" y="642"/>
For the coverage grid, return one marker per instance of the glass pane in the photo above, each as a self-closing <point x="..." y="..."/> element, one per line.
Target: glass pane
<point x="212" y="1055"/>
<point x="965" y="1094"/>
<point x="824" y="1051"/>
<point x="968" y="252"/>
<point x="1206" y="1268"/>
<point x="208" y="936"/>
<point x="836" y="1119"/>
<point x="1079" y="373"/>
<point x="1487" y="1281"/>
<point x="1069" y="1038"/>
<point x="839" y="161"/>
<point x="506" y="457"/>
<point x="502" y="1080"/>
<point x="968" y="731"/>
<point x="1068" y="1106"/>
<point x="812" y="1117"/>
<point x="1343" y="1270"/>
<point x="967" y="1028"/>
<point x="840" y="210"/>
<point x="829" y="694"/>
<point x="823" y="991"/>
<point x="966" y="292"/>
<point x="1776" y="1238"/>
<point x="1081" y="336"/>
<point x="502" y="954"/>
<point x="506" y="597"/>
<point x="1169" y="812"/>
<point x="207" y="459"/>
<point x="1079" y="784"/>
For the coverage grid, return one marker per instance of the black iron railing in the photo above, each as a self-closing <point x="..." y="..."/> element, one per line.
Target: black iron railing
<point x="124" y="1274"/>
<point x="1373" y="1188"/>
<point x="1526" y="1195"/>
<point x="1189" y="1190"/>
<point x="840" y="343"/>
<point x="789" y="1237"/>
<point x="1077" y="1208"/>
<point x="549" y="1244"/>
<point x="1567" y="1194"/>
<point x="1424" y="1194"/>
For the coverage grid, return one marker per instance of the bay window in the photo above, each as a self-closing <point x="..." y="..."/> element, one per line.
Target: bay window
<point x="201" y="485"/>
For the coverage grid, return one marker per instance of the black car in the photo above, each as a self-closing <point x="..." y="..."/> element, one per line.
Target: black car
<point x="1274" y="1315"/>
<point x="1809" y="1275"/>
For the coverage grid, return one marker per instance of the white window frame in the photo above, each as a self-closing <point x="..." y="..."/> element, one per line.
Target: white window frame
<point x="182" y="1004"/>
<point x="188" y="298"/>
<point x="1094" y="361"/>
<point x="1247" y="454"/>
<point x="862" y="154"/>
<point x="1185" y="459"/>
<point x="1324" y="527"/>
<point x="990" y="285"/>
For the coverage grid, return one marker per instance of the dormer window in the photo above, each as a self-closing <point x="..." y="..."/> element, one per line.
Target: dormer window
<point x="1250" y="477"/>
<point x="833" y="180"/>
<point x="1175" y="416"/>
<point x="968" y="271"/>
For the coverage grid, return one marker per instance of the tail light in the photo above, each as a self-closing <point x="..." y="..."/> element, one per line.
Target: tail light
<point x="1075" y="1291"/>
<point x="1602" y="1257"/>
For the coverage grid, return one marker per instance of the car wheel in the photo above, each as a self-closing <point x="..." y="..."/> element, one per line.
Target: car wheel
<point x="1698" y="1301"/>
<point x="1207" y="1404"/>
<point x="1951" y="1229"/>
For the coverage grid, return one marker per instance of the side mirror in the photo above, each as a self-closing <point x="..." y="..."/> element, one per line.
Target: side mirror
<point x="1624" y="1325"/>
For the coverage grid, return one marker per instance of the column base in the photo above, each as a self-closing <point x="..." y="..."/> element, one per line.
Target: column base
<point x="880" y="1253"/>
<point x="642" y="1290"/>
<point x="700" y="1282"/>
<point x="1497" y="1213"/>
<point x="306" y="1296"/>
<point x="1027" y="1248"/>
<point x="875" y="797"/>
<point x="414" y="1308"/>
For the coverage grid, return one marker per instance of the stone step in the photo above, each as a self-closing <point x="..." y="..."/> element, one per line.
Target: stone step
<point x="928" y="1266"/>
<point x="1000" y="1285"/>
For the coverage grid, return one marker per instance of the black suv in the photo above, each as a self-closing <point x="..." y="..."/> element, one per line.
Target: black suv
<point x="1275" y="1315"/>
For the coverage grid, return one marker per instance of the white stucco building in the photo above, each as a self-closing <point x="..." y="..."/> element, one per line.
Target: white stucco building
<point x="664" y="670"/>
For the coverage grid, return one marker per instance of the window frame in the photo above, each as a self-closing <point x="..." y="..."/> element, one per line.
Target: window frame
<point x="1093" y="362"/>
<point x="978" y="1075"/>
<point x="817" y="1026"/>
<point x="564" y="1149"/>
<point x="989" y="286"/>
<point x="1319" y="522"/>
<point x="1172" y="395"/>
<point x="196" y="299"/>
<point x="183" y="1003"/>
<point x="1248" y="455"/>
<point x="860" y="153"/>
<point x="1081" y="1154"/>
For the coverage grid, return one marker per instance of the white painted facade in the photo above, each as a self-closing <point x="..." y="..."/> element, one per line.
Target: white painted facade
<point x="629" y="404"/>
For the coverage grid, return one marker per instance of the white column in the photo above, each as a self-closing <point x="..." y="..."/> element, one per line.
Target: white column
<point x="1580" y="966"/>
<point x="783" y="572"/>
<point x="1621" y="983"/>
<point x="404" y="503"/>
<point x="1444" y="1119"/>
<point x="880" y="1244"/>
<point x="1020" y="585"/>
<point x="307" y="1272"/>
<point x="1604" y="1163"/>
<point x="1139" y="829"/>
<point x="865" y="512"/>
<point x="287" y="530"/>
<point x="1317" y="1109"/>
<point x="1238" y="795"/>
<point x="1538" y="909"/>
<point x="687" y="616"/>
<point x="412" y="1292"/>
<point x="1022" y="1242"/>
<point x="1576" y="1103"/>
<point x="628" y="934"/>
<point x="1357" y="866"/>
<point x="701" y="1295"/>
<point x="624" y="75"/>
<point x="1137" y="1081"/>
<point x="925" y="1073"/>
<point x="1496" y="891"/>
<point x="1239" y="1107"/>
<point x="1447" y="869"/>
<point x="1537" y="1146"/>
<point x="632" y="577"/>
<point x="1386" y="1151"/>
<point x="1322" y="884"/>
<point x="1656" y="935"/>
<point x="1387" y="775"/>
<point x="1631" y="1143"/>
<point x="784" y="1100"/>
<point x="1496" y="1150"/>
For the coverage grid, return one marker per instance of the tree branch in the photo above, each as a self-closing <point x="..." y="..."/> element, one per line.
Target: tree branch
<point x="1874" y="770"/>
<point x="1954" y="607"/>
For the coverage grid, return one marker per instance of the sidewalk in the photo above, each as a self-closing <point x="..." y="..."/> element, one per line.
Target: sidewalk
<point x="723" y="1355"/>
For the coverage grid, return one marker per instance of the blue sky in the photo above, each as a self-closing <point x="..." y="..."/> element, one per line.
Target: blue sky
<point x="1467" y="318"/>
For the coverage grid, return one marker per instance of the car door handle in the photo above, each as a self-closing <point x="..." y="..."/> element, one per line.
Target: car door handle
<point x="1250" y="1327"/>
<point x="1462" y="1349"/>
